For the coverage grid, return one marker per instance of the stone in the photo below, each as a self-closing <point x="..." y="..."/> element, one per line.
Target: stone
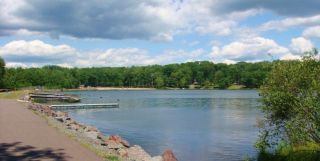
<point x="61" y="119"/>
<point x="125" y="143"/>
<point x="69" y="122"/>
<point x="123" y="152"/>
<point x="157" y="158"/>
<point x="137" y="153"/>
<point x="92" y="134"/>
<point x="68" y="119"/>
<point x="91" y="128"/>
<point x="74" y="126"/>
<point x="61" y="114"/>
<point x="118" y="139"/>
<point x="168" y="156"/>
<point x="101" y="137"/>
<point x="111" y="144"/>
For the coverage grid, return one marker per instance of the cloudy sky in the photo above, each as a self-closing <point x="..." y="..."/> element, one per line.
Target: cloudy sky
<point x="86" y="33"/>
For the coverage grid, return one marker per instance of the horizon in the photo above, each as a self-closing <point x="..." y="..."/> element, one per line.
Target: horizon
<point x="140" y="33"/>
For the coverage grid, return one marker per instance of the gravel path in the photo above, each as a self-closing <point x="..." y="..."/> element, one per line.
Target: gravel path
<point x="26" y="136"/>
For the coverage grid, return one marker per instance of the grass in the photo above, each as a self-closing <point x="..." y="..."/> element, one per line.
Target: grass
<point x="99" y="152"/>
<point x="236" y="87"/>
<point x="309" y="152"/>
<point x="13" y="94"/>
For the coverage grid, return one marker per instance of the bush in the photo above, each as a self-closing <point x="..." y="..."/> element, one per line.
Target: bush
<point x="291" y="103"/>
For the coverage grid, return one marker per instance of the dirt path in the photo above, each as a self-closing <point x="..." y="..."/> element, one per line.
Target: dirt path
<point x="26" y="136"/>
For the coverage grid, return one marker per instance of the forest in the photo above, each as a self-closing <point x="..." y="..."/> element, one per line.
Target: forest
<point x="201" y="74"/>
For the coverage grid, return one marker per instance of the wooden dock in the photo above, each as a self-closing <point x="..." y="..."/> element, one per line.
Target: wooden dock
<point x="84" y="106"/>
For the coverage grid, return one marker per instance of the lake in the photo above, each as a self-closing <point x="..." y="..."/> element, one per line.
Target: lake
<point x="198" y="125"/>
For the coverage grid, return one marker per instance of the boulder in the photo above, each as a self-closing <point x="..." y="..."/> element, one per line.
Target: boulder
<point x="91" y="128"/>
<point x="92" y="134"/>
<point x="111" y="144"/>
<point x="123" y="152"/>
<point x="137" y="153"/>
<point x="157" y="158"/>
<point x="101" y="136"/>
<point x="61" y="114"/>
<point x="74" y="126"/>
<point x="168" y="156"/>
<point x="118" y="139"/>
<point x="125" y="143"/>
<point x="61" y="119"/>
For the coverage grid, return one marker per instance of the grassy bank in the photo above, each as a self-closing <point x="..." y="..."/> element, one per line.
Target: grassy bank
<point x="309" y="152"/>
<point x="236" y="87"/>
<point x="13" y="94"/>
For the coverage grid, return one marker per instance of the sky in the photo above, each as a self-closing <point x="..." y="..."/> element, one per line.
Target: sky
<point x="95" y="33"/>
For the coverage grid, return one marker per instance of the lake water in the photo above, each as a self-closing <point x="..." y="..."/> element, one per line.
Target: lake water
<point x="198" y="125"/>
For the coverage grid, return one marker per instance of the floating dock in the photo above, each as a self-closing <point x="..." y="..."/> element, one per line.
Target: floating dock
<point x="54" y="96"/>
<point x="84" y="106"/>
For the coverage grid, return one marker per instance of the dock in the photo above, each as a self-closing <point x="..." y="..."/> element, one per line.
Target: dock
<point x="84" y="106"/>
<point x="54" y="96"/>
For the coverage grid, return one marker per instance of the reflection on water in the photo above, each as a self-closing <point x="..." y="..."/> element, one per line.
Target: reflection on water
<point x="197" y="125"/>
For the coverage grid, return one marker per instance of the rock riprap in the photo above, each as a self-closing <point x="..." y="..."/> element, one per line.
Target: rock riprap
<point x="113" y="144"/>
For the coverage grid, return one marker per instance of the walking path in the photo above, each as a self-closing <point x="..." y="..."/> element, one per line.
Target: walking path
<point x="26" y="136"/>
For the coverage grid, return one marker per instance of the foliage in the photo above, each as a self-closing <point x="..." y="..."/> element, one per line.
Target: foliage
<point x="205" y="74"/>
<point x="2" y="71"/>
<point x="308" y="152"/>
<point x="291" y="103"/>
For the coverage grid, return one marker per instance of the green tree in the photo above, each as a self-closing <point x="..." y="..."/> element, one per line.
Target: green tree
<point x="2" y="71"/>
<point x="291" y="103"/>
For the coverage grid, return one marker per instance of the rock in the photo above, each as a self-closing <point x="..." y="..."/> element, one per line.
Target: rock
<point x="111" y="144"/>
<point x="137" y="153"/>
<point x="168" y="156"/>
<point x="61" y="114"/>
<point x="91" y="128"/>
<point x="157" y="158"/>
<point x="61" y="119"/>
<point x="118" y="139"/>
<point x="125" y="143"/>
<point x="74" y="126"/>
<point x="92" y="134"/>
<point x="101" y="137"/>
<point x="123" y="152"/>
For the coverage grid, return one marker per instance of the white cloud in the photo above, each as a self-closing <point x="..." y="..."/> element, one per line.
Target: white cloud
<point x="162" y="37"/>
<point x="117" y="57"/>
<point x="14" y="65"/>
<point x="259" y="49"/>
<point x="300" y="45"/>
<point x="290" y="57"/>
<point x="123" y="57"/>
<point x="286" y="23"/>
<point x="253" y="49"/>
<point x="139" y="19"/>
<point x="312" y="32"/>
<point x="36" y="51"/>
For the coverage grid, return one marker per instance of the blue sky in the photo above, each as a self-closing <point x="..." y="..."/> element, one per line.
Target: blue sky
<point x="79" y="33"/>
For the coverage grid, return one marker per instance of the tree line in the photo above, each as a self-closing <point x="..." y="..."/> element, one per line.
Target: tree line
<point x="203" y="74"/>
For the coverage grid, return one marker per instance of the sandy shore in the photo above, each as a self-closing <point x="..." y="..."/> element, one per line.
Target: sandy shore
<point x="111" y="89"/>
<point x="26" y="136"/>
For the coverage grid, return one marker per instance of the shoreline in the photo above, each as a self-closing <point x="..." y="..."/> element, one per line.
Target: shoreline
<point x="112" y="147"/>
<point x="145" y="89"/>
<point x="110" y="89"/>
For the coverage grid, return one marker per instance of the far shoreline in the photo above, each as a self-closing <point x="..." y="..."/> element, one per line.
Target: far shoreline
<point x="110" y="89"/>
<point x="147" y="89"/>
